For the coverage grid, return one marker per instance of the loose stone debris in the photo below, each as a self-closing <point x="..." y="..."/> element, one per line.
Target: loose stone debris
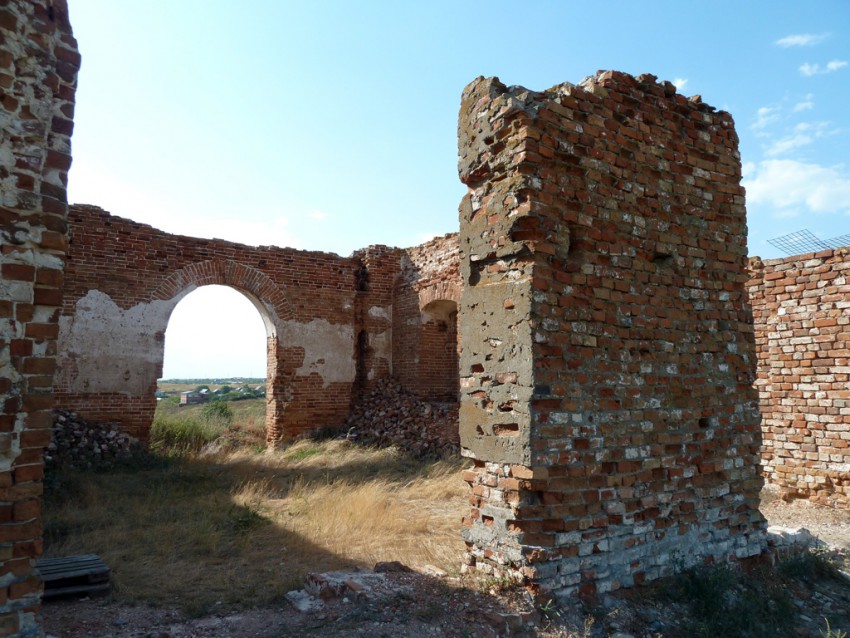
<point x="79" y="444"/>
<point x="391" y="415"/>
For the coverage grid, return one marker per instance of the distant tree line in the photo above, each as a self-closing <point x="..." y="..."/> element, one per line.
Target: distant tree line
<point x="229" y="393"/>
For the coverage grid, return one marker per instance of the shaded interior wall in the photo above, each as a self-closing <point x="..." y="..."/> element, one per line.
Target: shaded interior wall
<point x="800" y="305"/>
<point x="124" y="278"/>
<point x="38" y="69"/>
<point x="424" y="343"/>
<point x="374" y="286"/>
<point x="608" y="352"/>
<point x="438" y="351"/>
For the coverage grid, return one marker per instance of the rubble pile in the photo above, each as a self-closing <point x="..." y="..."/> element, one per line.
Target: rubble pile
<point x="78" y="444"/>
<point x="391" y="415"/>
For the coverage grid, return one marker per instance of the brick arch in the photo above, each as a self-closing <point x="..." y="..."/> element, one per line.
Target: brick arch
<point x="439" y="291"/>
<point x="264" y="293"/>
<point x="274" y="308"/>
<point x="438" y="345"/>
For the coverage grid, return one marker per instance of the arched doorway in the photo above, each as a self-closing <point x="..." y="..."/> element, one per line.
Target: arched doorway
<point x="273" y="307"/>
<point x="215" y="332"/>
<point x="215" y="353"/>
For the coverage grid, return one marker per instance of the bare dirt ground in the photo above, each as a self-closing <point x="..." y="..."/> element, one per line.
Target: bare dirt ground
<point x="419" y="605"/>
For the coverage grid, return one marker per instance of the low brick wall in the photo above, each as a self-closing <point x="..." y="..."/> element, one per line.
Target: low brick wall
<point x="800" y="306"/>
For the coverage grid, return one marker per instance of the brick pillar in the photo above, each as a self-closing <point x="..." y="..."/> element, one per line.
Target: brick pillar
<point x="374" y="283"/>
<point x="38" y="70"/>
<point x="607" y="351"/>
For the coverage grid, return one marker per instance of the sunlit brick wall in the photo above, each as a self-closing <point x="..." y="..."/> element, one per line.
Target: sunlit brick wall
<point x="608" y="351"/>
<point x="38" y="71"/>
<point x="425" y="319"/>
<point x="801" y="306"/>
<point x="124" y="279"/>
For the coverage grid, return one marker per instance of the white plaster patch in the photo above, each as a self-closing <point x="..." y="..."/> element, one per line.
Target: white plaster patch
<point x="382" y="348"/>
<point x="328" y="349"/>
<point x="383" y="313"/>
<point x="104" y="348"/>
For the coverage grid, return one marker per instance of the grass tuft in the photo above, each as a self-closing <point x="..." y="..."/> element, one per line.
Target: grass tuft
<point x="810" y="566"/>
<point x="723" y="601"/>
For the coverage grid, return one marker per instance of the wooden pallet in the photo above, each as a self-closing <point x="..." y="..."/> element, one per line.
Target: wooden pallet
<point x="74" y="575"/>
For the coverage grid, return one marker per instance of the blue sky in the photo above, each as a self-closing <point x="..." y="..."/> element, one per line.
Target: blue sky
<point x="332" y="125"/>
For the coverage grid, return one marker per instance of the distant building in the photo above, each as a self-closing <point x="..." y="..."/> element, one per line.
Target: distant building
<point x="190" y="397"/>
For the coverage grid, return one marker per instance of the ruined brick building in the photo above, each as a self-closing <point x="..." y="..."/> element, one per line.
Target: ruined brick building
<point x="598" y="288"/>
<point x="334" y="324"/>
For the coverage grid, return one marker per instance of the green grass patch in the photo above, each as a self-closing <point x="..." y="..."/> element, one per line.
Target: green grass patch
<point x="723" y="601"/>
<point x="186" y="430"/>
<point x="809" y="566"/>
<point x="178" y="435"/>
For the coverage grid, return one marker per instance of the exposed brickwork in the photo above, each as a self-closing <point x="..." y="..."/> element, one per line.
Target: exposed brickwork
<point x="803" y="345"/>
<point x="425" y="319"/>
<point x="38" y="70"/>
<point x="124" y="279"/>
<point x="608" y="352"/>
<point x="329" y="319"/>
<point x="608" y="355"/>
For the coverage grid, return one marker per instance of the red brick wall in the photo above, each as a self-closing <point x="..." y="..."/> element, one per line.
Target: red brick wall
<point x="38" y="70"/>
<point x="335" y="324"/>
<point x="800" y="306"/>
<point x="374" y="283"/>
<point x="424" y="326"/>
<point x="438" y="352"/>
<point x="124" y="278"/>
<point x="608" y="352"/>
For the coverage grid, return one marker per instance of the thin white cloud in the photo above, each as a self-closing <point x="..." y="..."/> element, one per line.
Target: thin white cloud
<point x="318" y="215"/>
<point x="680" y="83"/>
<point x="801" y="40"/>
<point x="786" y="144"/>
<point x="791" y="186"/>
<point x="802" y="134"/>
<point x="809" y="70"/>
<point x="806" y="105"/>
<point x="765" y="116"/>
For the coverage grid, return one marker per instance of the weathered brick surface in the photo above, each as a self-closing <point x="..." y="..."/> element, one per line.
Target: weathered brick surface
<point x="425" y="348"/>
<point x="329" y="320"/>
<point x="607" y="351"/>
<point x="38" y="70"/>
<point x="803" y="345"/>
<point x="124" y="279"/>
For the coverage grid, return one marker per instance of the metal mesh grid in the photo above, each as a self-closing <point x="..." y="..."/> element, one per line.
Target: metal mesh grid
<point x="803" y="241"/>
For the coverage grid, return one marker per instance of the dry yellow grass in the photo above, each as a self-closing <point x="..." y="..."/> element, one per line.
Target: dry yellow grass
<point x="243" y="527"/>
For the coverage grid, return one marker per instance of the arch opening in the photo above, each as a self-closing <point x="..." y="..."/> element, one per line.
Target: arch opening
<point x="216" y="350"/>
<point x="217" y="331"/>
